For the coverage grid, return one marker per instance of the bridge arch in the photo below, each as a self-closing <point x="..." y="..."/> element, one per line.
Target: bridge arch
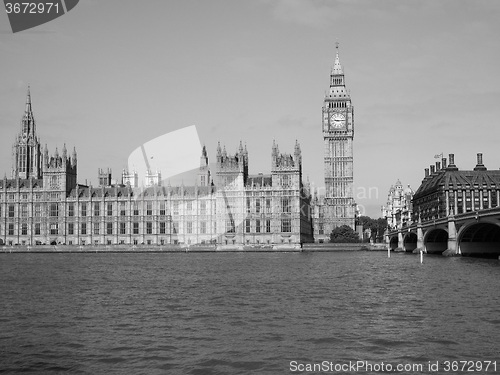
<point x="480" y="239"/>
<point x="410" y="241"/>
<point x="436" y="240"/>
<point x="393" y="242"/>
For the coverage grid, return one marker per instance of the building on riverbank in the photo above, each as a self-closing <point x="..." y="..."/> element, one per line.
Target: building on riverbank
<point x="446" y="190"/>
<point x="42" y="202"/>
<point x="399" y="208"/>
<point x="335" y="206"/>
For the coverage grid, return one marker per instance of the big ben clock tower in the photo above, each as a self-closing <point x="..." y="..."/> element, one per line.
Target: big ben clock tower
<point x="338" y="135"/>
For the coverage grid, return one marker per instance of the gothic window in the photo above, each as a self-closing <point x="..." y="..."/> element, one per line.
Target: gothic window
<point x="176" y="207"/>
<point x="11" y="229"/>
<point x="189" y="227"/>
<point x="162" y="208"/>
<point x="122" y="208"/>
<point x="109" y="228"/>
<point x="96" y="228"/>
<point x="149" y="227"/>
<point x="11" y="210"/>
<point x="257" y="205"/>
<point x="22" y="157"/>
<point x="268" y="226"/>
<point x="122" y="228"/>
<point x="149" y="208"/>
<point x="285" y="204"/>
<point x="257" y="226"/>
<point x="286" y="225"/>
<point x="189" y="206"/>
<point x="136" y="209"/>
<point x="247" y="225"/>
<point x="230" y="226"/>
<point x="203" y="207"/>
<point x="71" y="229"/>
<point x="110" y="209"/>
<point x="54" y="228"/>
<point x="37" y="229"/>
<point x="136" y="228"/>
<point x="54" y="210"/>
<point x="84" y="210"/>
<point x="24" y="229"/>
<point x="203" y="227"/>
<point x="71" y="209"/>
<point x="24" y="210"/>
<point x="84" y="228"/>
<point x="96" y="209"/>
<point x="268" y="205"/>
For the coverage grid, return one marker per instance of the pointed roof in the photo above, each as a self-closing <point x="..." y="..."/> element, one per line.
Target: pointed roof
<point x="337" y="68"/>
<point x="28" y="120"/>
<point x="28" y="101"/>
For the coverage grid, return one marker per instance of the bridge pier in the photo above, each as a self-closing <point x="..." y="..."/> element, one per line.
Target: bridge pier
<point x="420" y="236"/>
<point x="400" y="241"/>
<point x="452" y="237"/>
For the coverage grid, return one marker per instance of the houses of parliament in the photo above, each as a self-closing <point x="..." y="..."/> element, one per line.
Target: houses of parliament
<point x="43" y="203"/>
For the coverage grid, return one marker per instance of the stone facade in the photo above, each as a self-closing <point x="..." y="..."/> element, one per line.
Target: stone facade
<point x="336" y="207"/>
<point x="399" y="209"/>
<point x="446" y="191"/>
<point x="43" y="203"/>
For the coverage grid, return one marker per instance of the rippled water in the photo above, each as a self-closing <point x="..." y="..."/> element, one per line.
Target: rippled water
<point x="242" y="313"/>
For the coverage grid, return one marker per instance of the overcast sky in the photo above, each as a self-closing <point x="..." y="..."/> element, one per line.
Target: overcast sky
<point x="110" y="75"/>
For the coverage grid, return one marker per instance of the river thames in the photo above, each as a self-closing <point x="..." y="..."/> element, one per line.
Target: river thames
<point x="246" y="313"/>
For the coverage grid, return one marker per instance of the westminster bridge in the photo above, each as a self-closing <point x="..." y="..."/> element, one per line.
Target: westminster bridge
<point x="473" y="233"/>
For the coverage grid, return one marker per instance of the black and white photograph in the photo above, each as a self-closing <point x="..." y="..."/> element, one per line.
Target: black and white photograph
<point x="250" y="187"/>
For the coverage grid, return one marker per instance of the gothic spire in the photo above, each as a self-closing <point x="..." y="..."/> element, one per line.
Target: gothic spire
<point x="28" y="101"/>
<point x="28" y="120"/>
<point x="337" y="68"/>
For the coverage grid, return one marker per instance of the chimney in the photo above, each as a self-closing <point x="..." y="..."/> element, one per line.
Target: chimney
<point x="438" y="166"/>
<point x="480" y="166"/>
<point x="452" y="166"/>
<point x="433" y="169"/>
<point x="426" y="172"/>
<point x="444" y="163"/>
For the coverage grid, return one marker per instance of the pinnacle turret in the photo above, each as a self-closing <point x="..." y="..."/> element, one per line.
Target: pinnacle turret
<point x="28" y="120"/>
<point x="337" y="67"/>
<point x="73" y="158"/>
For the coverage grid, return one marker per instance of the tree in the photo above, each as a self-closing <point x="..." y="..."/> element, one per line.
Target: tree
<point x="344" y="234"/>
<point x="376" y="226"/>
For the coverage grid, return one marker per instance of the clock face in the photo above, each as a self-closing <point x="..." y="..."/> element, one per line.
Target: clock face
<point x="337" y="120"/>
